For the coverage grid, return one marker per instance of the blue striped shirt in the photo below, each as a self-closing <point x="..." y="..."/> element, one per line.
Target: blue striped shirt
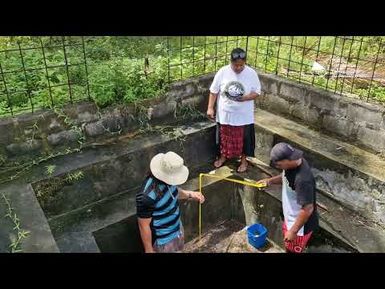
<point x="163" y="209"/>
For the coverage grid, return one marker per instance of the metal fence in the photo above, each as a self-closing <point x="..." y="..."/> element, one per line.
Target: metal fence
<point x="54" y="71"/>
<point x="349" y="65"/>
<point x="42" y="75"/>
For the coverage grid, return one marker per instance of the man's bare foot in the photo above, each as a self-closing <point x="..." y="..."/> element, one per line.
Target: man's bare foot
<point x="243" y="167"/>
<point x="219" y="162"/>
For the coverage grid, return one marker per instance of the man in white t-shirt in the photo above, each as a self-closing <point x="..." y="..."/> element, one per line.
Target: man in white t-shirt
<point x="234" y="88"/>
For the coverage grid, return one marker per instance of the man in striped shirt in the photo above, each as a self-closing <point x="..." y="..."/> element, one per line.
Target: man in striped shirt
<point x="157" y="204"/>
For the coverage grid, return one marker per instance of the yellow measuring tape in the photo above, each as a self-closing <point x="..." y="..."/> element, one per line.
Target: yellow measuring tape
<point x="247" y="183"/>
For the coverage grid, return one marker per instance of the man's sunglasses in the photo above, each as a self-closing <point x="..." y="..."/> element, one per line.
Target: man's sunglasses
<point x="237" y="55"/>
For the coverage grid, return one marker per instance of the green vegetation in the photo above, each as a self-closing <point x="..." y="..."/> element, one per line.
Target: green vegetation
<point x="128" y="69"/>
<point x="50" y="169"/>
<point x="73" y="177"/>
<point x="21" y="234"/>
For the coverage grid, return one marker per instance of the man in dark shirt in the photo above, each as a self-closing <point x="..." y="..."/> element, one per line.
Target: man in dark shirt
<point x="298" y="196"/>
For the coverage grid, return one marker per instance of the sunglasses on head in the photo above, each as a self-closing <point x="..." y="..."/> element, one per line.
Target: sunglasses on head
<point x="237" y="55"/>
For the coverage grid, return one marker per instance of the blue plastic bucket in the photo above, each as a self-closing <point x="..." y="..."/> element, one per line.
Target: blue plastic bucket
<point x="257" y="235"/>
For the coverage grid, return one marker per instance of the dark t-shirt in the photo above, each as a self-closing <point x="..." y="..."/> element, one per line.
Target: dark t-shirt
<point x="302" y="181"/>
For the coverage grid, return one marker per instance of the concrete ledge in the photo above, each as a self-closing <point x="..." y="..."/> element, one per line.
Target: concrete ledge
<point x="352" y="119"/>
<point x="349" y="174"/>
<point x="357" y="231"/>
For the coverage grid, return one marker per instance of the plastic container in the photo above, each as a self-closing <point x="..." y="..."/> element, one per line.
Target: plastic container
<point x="257" y="235"/>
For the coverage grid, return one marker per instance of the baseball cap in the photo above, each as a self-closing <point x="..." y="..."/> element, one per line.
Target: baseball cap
<point x="284" y="151"/>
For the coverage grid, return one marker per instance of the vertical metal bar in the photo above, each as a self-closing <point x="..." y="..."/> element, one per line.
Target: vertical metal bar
<point x="303" y="55"/>
<point x="279" y="48"/>
<point x="6" y="90"/>
<point x="374" y="68"/>
<point x="331" y="62"/>
<point x="204" y="56"/>
<point x="355" y="69"/>
<point x="316" y="58"/>
<point x="25" y="76"/>
<point x="346" y="67"/>
<point x="180" y="56"/>
<point x="227" y="40"/>
<point x="67" y="71"/>
<point x="168" y="59"/>
<point x="246" y="48"/>
<point x="289" y="61"/>
<point x="256" y="50"/>
<point x="46" y="72"/>
<point x="339" y="64"/>
<point x="267" y="51"/>
<point x="193" y="60"/>
<point x="216" y="52"/>
<point x="86" y="68"/>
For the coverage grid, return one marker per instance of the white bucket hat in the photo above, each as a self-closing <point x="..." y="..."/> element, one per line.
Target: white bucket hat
<point x="169" y="168"/>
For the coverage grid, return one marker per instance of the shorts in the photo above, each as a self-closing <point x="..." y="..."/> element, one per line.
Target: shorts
<point x="298" y="244"/>
<point x="174" y="246"/>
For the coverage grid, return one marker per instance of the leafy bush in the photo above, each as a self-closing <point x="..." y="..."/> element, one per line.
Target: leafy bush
<point x="126" y="80"/>
<point x="128" y="69"/>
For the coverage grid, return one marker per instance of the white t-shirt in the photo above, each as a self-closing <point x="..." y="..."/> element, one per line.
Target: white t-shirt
<point x="229" y="111"/>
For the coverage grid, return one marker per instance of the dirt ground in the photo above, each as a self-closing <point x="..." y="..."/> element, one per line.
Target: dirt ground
<point x="227" y="237"/>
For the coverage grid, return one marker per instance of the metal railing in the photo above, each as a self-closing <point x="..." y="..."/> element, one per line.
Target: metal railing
<point x="349" y="65"/>
<point x="52" y="71"/>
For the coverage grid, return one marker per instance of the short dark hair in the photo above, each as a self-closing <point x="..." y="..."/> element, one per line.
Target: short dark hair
<point x="238" y="53"/>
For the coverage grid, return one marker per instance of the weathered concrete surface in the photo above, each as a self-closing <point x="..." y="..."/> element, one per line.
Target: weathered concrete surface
<point x="221" y="204"/>
<point x="104" y="196"/>
<point x="57" y="196"/>
<point x="349" y="174"/>
<point x="32" y="219"/>
<point x="250" y="205"/>
<point x="120" y="237"/>
<point x="45" y="131"/>
<point x="346" y="225"/>
<point x="112" y="174"/>
<point x="352" y="119"/>
<point x="77" y="242"/>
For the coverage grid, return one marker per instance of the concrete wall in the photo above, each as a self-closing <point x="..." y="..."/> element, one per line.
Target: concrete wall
<point x="44" y="132"/>
<point x="122" y="173"/>
<point x="352" y="119"/>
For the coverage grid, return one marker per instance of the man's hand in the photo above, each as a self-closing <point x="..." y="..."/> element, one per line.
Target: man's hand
<point x="197" y="196"/>
<point x="264" y="182"/>
<point x="250" y="96"/>
<point x="211" y="113"/>
<point x="290" y="236"/>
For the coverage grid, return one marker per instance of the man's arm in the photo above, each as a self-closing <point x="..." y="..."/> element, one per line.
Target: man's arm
<point x="210" y="107"/>
<point x="145" y="234"/>
<point x="184" y="194"/>
<point x="251" y="96"/>
<point x="302" y="218"/>
<point x="273" y="180"/>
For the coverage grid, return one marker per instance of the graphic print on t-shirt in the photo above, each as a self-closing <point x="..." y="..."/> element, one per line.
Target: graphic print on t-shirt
<point x="234" y="90"/>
